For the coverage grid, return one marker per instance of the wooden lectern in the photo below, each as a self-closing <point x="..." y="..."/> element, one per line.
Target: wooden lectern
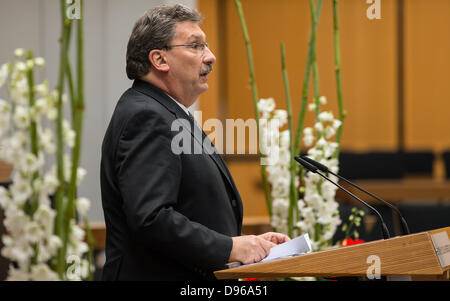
<point x="420" y="256"/>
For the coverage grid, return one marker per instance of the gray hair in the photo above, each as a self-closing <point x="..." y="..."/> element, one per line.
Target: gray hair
<point x="153" y="31"/>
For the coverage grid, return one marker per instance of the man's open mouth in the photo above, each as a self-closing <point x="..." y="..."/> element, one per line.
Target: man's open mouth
<point x="206" y="71"/>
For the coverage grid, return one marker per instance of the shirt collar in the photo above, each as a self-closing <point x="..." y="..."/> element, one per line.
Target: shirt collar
<point x="180" y="104"/>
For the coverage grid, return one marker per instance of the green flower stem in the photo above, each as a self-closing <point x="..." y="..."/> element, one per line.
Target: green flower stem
<point x="72" y="92"/>
<point x="60" y="230"/>
<point x="337" y="58"/>
<point x="90" y="242"/>
<point x="314" y="61"/>
<point x="33" y="204"/>
<point x="305" y="89"/>
<point x="78" y="127"/>
<point x="255" y="99"/>
<point x="31" y="100"/>
<point x="293" y="193"/>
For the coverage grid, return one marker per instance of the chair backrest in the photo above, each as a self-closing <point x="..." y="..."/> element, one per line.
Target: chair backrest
<point x="425" y="217"/>
<point x="371" y="165"/>
<point x="419" y="162"/>
<point x="446" y="158"/>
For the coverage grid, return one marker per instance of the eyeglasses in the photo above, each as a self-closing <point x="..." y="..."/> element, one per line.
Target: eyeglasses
<point x="200" y="47"/>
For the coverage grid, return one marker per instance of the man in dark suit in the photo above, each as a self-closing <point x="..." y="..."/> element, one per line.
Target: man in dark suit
<point x="169" y="215"/>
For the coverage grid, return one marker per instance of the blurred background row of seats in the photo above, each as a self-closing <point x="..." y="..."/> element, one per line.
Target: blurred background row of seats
<point x="389" y="165"/>
<point x="421" y="214"/>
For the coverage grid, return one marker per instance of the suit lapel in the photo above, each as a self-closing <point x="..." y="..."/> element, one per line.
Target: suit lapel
<point x="195" y="130"/>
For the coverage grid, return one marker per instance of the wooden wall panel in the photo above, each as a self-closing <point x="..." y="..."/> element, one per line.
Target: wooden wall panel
<point x="370" y="71"/>
<point x="427" y="74"/>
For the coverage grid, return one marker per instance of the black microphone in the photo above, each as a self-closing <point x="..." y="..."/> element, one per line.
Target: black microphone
<point x="323" y="168"/>
<point x="314" y="169"/>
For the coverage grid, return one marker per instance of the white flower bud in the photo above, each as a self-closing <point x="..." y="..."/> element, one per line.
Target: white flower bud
<point x="21" y="117"/>
<point x="266" y="105"/>
<point x="3" y="74"/>
<point x="83" y="205"/>
<point x="19" y="52"/>
<point x="39" y="61"/>
<point x="311" y="106"/>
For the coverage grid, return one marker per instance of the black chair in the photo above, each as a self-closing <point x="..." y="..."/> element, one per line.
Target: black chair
<point x="371" y="165"/>
<point x="425" y="217"/>
<point x="446" y="158"/>
<point x="419" y="162"/>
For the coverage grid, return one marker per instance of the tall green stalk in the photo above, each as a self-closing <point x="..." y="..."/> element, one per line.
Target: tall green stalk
<point x="337" y="63"/>
<point x="255" y="100"/>
<point x="314" y="63"/>
<point x="293" y="193"/>
<point x="60" y="192"/>
<point x="32" y="206"/>
<point x="305" y="89"/>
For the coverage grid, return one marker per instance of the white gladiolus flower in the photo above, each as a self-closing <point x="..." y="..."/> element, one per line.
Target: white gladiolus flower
<point x="323" y="100"/>
<point x="50" y="182"/>
<point x="69" y="138"/>
<point x="3" y="74"/>
<point x="266" y="105"/>
<point x="83" y="205"/>
<point x="4" y="198"/>
<point x="308" y="140"/>
<point x="29" y="64"/>
<point x="33" y="232"/>
<point x="281" y="115"/>
<point x="45" y="216"/>
<point x="29" y="163"/>
<point x="39" y="61"/>
<point x="318" y="126"/>
<point x="17" y="274"/>
<point x="285" y="139"/>
<point x="21" y="66"/>
<point x="312" y="106"/>
<point x="337" y="123"/>
<point x="21" y="117"/>
<point x="21" y="251"/>
<point x="42" y="272"/>
<point x="321" y="142"/>
<point x="47" y="141"/>
<point x="29" y="239"/>
<point x="19" y="52"/>
<point x="54" y="243"/>
<point x="39" y="108"/>
<point x="20" y="190"/>
<point x="326" y="117"/>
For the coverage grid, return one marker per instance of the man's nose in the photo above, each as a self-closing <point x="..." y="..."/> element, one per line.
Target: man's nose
<point x="208" y="57"/>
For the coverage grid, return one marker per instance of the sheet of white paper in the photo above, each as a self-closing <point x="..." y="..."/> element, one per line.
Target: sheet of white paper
<point x="295" y="246"/>
<point x="442" y="246"/>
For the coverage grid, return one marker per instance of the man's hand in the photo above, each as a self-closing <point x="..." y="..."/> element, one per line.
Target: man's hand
<point x="251" y="248"/>
<point x="276" y="238"/>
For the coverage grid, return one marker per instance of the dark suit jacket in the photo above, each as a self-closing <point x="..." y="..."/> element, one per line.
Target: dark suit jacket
<point x="168" y="216"/>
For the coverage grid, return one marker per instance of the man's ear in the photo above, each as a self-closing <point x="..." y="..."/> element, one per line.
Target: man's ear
<point x="158" y="60"/>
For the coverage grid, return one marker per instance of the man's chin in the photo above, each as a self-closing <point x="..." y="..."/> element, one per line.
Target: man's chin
<point x="204" y="87"/>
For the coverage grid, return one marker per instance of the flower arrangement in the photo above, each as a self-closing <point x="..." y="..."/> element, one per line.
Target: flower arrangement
<point x="300" y="202"/>
<point x="43" y="239"/>
<point x="27" y="142"/>
<point x="316" y="212"/>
